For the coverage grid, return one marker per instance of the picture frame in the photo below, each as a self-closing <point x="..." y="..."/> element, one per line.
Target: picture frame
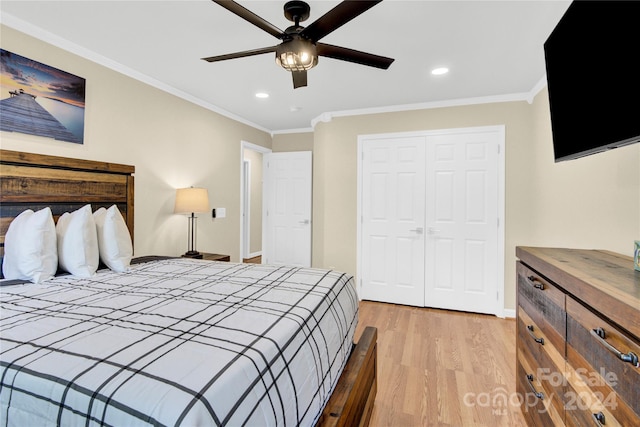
<point x="38" y="99"/>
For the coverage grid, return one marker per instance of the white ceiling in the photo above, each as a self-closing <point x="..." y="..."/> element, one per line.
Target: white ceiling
<point x="493" y="49"/>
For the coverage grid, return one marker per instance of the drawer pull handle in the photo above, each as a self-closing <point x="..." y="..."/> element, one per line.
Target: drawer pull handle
<point x="536" y="339"/>
<point x="533" y="389"/>
<point x="630" y="357"/>
<point x="599" y="419"/>
<point x="536" y="283"/>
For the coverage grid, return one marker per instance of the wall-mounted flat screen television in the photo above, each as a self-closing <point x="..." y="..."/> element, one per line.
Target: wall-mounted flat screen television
<point x="593" y="78"/>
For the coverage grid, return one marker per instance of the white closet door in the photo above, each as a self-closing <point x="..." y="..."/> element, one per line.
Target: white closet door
<point x="393" y="194"/>
<point x="462" y="221"/>
<point x="429" y="219"/>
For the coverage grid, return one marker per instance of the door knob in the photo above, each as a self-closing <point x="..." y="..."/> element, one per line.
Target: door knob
<point x="305" y="222"/>
<point x="418" y="230"/>
<point x="432" y="230"/>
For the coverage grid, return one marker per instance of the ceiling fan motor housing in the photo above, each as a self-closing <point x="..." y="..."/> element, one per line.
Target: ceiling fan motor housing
<point x="296" y="11"/>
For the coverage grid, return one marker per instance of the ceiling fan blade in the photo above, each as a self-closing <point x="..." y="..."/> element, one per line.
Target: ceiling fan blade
<point x="337" y="17"/>
<point x="351" y="55"/>
<point x="247" y="15"/>
<point x="299" y="79"/>
<point x="251" y="52"/>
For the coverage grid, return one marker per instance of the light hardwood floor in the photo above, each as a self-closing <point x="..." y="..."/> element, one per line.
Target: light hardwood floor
<point x="442" y="368"/>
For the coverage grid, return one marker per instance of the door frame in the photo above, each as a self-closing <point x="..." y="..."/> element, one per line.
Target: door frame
<point x="246" y="209"/>
<point x="499" y="309"/>
<point x="263" y="150"/>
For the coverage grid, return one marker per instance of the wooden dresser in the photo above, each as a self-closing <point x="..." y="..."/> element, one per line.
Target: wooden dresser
<point x="578" y="337"/>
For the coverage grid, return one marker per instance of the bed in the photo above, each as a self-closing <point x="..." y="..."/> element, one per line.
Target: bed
<point x="172" y="341"/>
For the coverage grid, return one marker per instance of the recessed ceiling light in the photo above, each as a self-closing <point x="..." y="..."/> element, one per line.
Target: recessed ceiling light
<point x="262" y="95"/>
<point x="295" y="108"/>
<point x="439" y="71"/>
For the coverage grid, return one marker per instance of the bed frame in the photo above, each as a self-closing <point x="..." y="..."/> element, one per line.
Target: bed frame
<point x="34" y="181"/>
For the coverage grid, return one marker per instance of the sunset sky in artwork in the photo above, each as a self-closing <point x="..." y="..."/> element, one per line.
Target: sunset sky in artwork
<point x="35" y="78"/>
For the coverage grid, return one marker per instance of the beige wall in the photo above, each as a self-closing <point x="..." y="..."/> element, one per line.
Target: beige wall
<point x="171" y="142"/>
<point x="302" y="141"/>
<point x="591" y="202"/>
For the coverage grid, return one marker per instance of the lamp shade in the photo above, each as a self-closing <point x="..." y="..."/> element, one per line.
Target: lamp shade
<point x="191" y="200"/>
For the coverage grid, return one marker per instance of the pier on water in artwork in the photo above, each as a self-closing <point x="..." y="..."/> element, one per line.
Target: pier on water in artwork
<point x="22" y="113"/>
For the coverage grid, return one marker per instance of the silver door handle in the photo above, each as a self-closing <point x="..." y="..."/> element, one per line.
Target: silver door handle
<point x="305" y="222"/>
<point x="418" y="230"/>
<point x="432" y="230"/>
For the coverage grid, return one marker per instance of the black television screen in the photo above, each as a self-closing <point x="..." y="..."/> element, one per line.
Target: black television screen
<point x="593" y="78"/>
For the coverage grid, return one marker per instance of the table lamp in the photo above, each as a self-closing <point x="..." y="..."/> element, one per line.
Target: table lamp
<point x="191" y="201"/>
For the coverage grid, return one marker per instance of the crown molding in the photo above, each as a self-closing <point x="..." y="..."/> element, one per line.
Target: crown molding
<point x="327" y="117"/>
<point x="542" y="83"/>
<point x="287" y="131"/>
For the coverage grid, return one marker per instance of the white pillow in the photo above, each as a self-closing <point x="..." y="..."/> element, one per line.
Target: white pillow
<point x="30" y="247"/>
<point x="78" y="242"/>
<point x="114" y="240"/>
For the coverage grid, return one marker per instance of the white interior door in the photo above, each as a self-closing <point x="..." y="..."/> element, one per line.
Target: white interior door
<point x="393" y="194"/>
<point x="462" y="221"/>
<point x="429" y="208"/>
<point x="288" y="208"/>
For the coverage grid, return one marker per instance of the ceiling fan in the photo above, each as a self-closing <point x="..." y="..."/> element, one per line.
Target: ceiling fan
<point x="300" y="45"/>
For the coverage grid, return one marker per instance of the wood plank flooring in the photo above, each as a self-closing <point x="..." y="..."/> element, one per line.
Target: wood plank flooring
<point x="442" y="368"/>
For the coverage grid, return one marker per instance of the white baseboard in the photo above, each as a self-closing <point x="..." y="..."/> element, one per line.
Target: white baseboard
<point x="509" y="313"/>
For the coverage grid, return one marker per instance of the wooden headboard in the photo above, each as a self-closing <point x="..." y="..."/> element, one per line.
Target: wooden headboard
<point x="35" y="181"/>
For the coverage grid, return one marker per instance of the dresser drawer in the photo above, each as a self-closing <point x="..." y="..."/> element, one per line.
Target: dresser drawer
<point x="541" y="330"/>
<point x="540" y="382"/>
<point x="539" y="407"/>
<point x="604" y="374"/>
<point x="544" y="303"/>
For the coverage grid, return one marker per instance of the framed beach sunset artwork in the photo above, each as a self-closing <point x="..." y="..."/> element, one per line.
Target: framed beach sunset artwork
<point x="37" y="99"/>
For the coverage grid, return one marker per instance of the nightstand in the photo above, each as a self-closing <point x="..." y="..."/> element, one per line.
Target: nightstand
<point x="210" y="257"/>
<point x="215" y="257"/>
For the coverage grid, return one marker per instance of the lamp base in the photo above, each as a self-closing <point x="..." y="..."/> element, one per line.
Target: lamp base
<point x="192" y="254"/>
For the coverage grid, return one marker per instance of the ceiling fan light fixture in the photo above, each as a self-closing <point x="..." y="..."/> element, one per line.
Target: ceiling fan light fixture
<point x="300" y="46"/>
<point x="297" y="55"/>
